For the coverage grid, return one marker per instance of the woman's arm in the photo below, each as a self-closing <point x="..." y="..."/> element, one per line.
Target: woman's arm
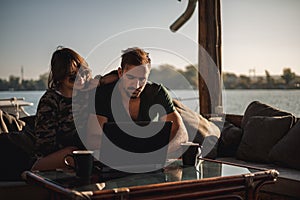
<point x="46" y="124"/>
<point x="102" y="80"/>
<point x="54" y="160"/>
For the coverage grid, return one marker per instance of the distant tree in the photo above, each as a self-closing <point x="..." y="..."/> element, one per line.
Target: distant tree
<point x="14" y="82"/>
<point x="229" y="80"/>
<point x="259" y="83"/>
<point x="28" y="85"/>
<point x="288" y="75"/>
<point x="244" y="82"/>
<point x="169" y="77"/>
<point x="43" y="81"/>
<point x="3" y="85"/>
<point x="270" y="80"/>
<point x="191" y="75"/>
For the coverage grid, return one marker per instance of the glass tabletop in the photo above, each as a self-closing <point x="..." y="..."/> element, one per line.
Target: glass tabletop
<point x="174" y="172"/>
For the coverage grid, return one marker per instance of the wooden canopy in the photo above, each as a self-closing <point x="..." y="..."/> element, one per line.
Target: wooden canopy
<point x="209" y="53"/>
<point x="209" y="38"/>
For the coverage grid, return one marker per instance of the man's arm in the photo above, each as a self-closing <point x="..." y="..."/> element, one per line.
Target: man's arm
<point x="96" y="117"/>
<point x="178" y="131"/>
<point x="95" y="130"/>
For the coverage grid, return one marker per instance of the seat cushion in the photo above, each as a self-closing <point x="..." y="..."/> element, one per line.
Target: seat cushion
<point x="260" y="135"/>
<point x="257" y="108"/>
<point x="230" y="139"/>
<point x="286" y="151"/>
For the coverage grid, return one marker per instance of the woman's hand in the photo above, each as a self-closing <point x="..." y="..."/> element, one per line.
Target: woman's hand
<point x="101" y="80"/>
<point x="91" y="84"/>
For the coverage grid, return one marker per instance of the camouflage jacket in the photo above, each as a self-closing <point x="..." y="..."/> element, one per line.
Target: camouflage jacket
<point x="55" y="126"/>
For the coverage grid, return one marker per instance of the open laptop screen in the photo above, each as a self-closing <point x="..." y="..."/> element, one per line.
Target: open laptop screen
<point x="129" y="145"/>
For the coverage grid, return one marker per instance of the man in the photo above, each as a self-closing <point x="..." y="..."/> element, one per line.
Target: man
<point x="133" y="98"/>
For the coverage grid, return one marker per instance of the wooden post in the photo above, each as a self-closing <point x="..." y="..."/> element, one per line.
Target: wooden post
<point x="209" y="57"/>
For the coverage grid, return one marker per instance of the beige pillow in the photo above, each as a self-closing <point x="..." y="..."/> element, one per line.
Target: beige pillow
<point x="200" y="130"/>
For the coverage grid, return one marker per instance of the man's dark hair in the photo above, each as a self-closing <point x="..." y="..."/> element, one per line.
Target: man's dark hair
<point x="135" y="56"/>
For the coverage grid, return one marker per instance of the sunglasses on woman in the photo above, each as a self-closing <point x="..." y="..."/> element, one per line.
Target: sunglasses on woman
<point x="82" y="74"/>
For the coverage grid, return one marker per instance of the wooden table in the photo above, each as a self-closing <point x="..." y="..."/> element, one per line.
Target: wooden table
<point x="208" y="180"/>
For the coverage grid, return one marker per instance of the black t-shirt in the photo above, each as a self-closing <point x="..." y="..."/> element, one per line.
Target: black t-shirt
<point x="155" y="102"/>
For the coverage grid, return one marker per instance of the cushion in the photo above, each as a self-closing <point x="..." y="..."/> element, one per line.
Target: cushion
<point x="200" y="130"/>
<point x="257" y="108"/>
<point x="229" y="141"/>
<point x="286" y="152"/>
<point x="260" y="135"/>
<point x="9" y="123"/>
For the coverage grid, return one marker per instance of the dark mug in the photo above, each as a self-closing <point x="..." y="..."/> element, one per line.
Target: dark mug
<point x="83" y="162"/>
<point x="190" y="153"/>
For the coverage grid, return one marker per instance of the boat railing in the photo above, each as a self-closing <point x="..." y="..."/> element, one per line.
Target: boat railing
<point x="13" y="99"/>
<point x="186" y="99"/>
<point x="14" y="105"/>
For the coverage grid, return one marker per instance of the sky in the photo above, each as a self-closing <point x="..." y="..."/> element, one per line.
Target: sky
<point x="261" y="35"/>
<point x="256" y="34"/>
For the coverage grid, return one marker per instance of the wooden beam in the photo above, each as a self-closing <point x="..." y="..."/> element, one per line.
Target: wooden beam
<point x="209" y="58"/>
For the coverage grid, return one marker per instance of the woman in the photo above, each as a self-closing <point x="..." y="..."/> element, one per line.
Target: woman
<point x="55" y="130"/>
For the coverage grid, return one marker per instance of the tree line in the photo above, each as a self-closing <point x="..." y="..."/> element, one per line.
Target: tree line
<point x="15" y="83"/>
<point x="188" y="79"/>
<point x="288" y="80"/>
<point x="179" y="79"/>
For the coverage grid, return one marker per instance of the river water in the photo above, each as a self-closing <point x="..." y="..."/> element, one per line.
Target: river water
<point x="234" y="101"/>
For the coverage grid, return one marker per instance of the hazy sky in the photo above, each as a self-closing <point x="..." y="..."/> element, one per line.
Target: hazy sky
<point x="261" y="35"/>
<point x="257" y="34"/>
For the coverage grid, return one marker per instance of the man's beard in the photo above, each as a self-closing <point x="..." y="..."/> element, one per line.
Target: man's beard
<point x="132" y="94"/>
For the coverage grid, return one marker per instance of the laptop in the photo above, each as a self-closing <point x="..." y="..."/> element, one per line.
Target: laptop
<point x="134" y="147"/>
